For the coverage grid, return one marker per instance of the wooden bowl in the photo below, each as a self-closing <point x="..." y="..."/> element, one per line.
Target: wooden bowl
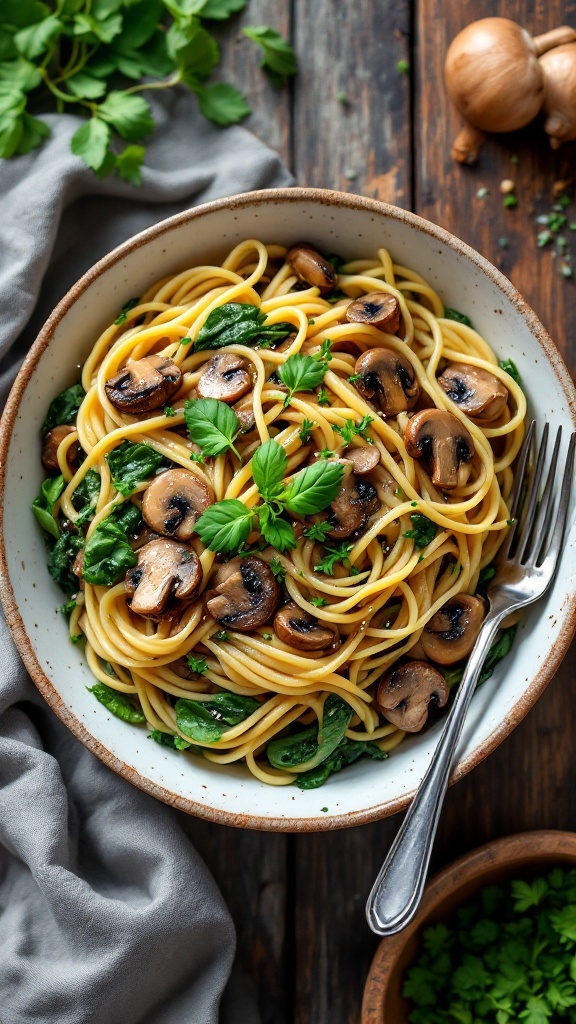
<point x="527" y="853"/>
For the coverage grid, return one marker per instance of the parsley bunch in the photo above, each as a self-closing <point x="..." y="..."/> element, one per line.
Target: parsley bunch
<point x="507" y="956"/>
<point x="90" y="56"/>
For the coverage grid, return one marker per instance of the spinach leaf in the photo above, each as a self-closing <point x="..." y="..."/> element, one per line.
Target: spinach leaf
<point x="130" y="464"/>
<point x="61" y="559"/>
<point x="118" y="704"/>
<point x="500" y="648"/>
<point x="63" y="408"/>
<point x="238" y="323"/>
<point x="68" y="608"/>
<point x="511" y="368"/>
<point x="311" y="746"/>
<point x="423" y="531"/>
<point x="206" y="720"/>
<point x="108" y="555"/>
<point x="44" y="502"/>
<point x="86" y="494"/>
<point x="461" y="318"/>
<point x="346" y="753"/>
<point x="168" y="739"/>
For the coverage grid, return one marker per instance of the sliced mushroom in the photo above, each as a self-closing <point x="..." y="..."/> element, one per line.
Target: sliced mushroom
<point x="477" y="392"/>
<point x="297" y="628"/>
<point x="356" y="501"/>
<point x="311" y="267"/>
<point x="444" y="445"/>
<point x="451" y="633"/>
<point x="405" y="694"/>
<point x="174" y="501"/>
<point x="167" y="574"/>
<point x="226" y="378"/>
<point x="245" y="595"/>
<point x="77" y="565"/>
<point x="51" y="444"/>
<point x="244" y="412"/>
<point x="363" y="459"/>
<point x="144" y="384"/>
<point x="379" y="309"/>
<point x="388" y="379"/>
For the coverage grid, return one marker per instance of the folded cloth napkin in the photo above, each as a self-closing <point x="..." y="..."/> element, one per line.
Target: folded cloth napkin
<point x="107" y="913"/>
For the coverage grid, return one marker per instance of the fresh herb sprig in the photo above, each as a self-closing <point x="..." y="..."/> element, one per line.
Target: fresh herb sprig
<point x="350" y="430"/>
<point x="95" y="57"/>
<point x="304" y="373"/>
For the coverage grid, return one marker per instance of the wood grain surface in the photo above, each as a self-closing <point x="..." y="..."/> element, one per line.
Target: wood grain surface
<point x="298" y="901"/>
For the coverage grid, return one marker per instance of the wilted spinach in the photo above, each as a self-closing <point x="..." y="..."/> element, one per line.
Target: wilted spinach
<point x="346" y="753"/>
<point x="43" y="504"/>
<point x="119" y="704"/>
<point x="108" y="554"/>
<point x="238" y="323"/>
<point x="63" y="408"/>
<point x="130" y="464"/>
<point x="313" y="745"/>
<point x="206" y="720"/>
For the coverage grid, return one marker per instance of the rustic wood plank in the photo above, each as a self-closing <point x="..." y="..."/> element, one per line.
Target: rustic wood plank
<point x="271" y="108"/>
<point x="360" y="142"/>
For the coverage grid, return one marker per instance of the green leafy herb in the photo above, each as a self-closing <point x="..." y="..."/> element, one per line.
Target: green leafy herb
<point x="64" y="407"/>
<point x="130" y="464"/>
<point x="68" y="608"/>
<point x="510" y="200"/>
<point x="556" y="221"/>
<point x="268" y="469"/>
<point x="318" y="602"/>
<point x="86" y="494"/>
<point x="169" y="739"/>
<point x="354" y="377"/>
<point x="44" y="502"/>
<point x="61" y="560"/>
<point x="305" y="432"/>
<point x="119" y="704"/>
<point x="313" y="489"/>
<point x="461" y="318"/>
<point x="350" y="430"/>
<point x="510" y="367"/>
<point x="206" y="720"/>
<point x="333" y="555"/>
<point x="311" y="746"/>
<point x="123" y="316"/>
<point x="323" y="396"/>
<point x="239" y="323"/>
<point x="221" y="635"/>
<point x="169" y="411"/>
<point x="301" y="373"/>
<point x="212" y="425"/>
<point x="225" y="526"/>
<point x="423" y="530"/>
<point x="199" y="665"/>
<point x="403" y="67"/>
<point x="275" y="530"/>
<point x="279" y="58"/>
<point x="108" y="554"/>
<point x="222" y="103"/>
<point x="347" y="752"/>
<point x="318" y="531"/>
<point x="278" y="570"/>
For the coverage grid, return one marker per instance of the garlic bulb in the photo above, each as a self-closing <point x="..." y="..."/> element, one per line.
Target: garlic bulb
<point x="559" y="74"/>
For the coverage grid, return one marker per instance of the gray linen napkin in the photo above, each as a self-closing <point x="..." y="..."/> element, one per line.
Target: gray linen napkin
<point x="107" y="914"/>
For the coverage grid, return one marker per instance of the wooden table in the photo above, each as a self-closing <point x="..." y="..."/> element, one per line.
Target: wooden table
<point x="298" y="901"/>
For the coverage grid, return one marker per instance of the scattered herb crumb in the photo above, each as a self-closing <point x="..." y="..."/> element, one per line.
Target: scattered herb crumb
<point x="503" y="242"/>
<point x="342" y="98"/>
<point x="403" y="67"/>
<point x="510" y="200"/>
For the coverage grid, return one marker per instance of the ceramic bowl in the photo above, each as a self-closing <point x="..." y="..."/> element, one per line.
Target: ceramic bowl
<point x="354" y="227"/>
<point x="525" y="855"/>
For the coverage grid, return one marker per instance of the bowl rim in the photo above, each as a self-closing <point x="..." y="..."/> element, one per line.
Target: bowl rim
<point x="324" y="197"/>
<point x="522" y="848"/>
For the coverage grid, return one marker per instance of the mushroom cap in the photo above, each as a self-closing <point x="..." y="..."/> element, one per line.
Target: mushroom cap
<point x="388" y="379"/>
<point x="310" y="266"/>
<point x="379" y="309"/>
<point x="226" y="378"/>
<point x="297" y="628"/>
<point x="52" y="442"/>
<point x="406" y="692"/>
<point x="166" y="573"/>
<point x="144" y="384"/>
<point x="477" y="392"/>
<point x="443" y="443"/>
<point x="451" y="633"/>
<point x="352" y="507"/>
<point x="245" y="594"/>
<point x="244" y="412"/>
<point x="364" y="458"/>
<point x="174" y="501"/>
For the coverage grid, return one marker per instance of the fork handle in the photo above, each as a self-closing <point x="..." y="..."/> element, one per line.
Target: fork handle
<point x="398" y="889"/>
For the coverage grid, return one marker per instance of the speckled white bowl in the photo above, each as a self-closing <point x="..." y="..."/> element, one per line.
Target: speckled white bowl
<point x="354" y="227"/>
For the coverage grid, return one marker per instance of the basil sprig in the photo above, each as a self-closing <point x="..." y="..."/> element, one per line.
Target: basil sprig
<point x="212" y="425"/>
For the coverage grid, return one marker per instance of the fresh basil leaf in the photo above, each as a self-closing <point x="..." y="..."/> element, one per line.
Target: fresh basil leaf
<point x="33" y="41"/>
<point x="168" y="739"/>
<point x="86" y="494"/>
<point x="423" y="530"/>
<point x="511" y="368"/>
<point x="63" y="408"/>
<point x="108" y="554"/>
<point x="222" y="103"/>
<point x="239" y="323"/>
<point x="61" y="559"/>
<point x="225" y="526"/>
<point x="275" y="530"/>
<point x="90" y="142"/>
<point x="130" y="464"/>
<point x="461" y="318"/>
<point x="44" y="503"/>
<point x="279" y="58"/>
<point x="268" y="466"/>
<point x="332" y="555"/>
<point x="311" y="746"/>
<point x="313" y="489"/>
<point x="212" y="425"/>
<point x="119" y="704"/>
<point x="206" y="720"/>
<point x="128" y="114"/>
<point x="301" y="373"/>
<point x="346" y="753"/>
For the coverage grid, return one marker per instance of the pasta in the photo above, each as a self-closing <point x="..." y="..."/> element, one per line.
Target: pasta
<point x="364" y="499"/>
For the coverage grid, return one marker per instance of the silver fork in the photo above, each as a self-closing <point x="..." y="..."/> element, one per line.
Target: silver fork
<point x="525" y="567"/>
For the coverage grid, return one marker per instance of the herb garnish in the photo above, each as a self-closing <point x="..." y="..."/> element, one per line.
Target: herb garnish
<point x="350" y="429"/>
<point x="302" y="373"/>
<point x="305" y="432"/>
<point x="122" y="318"/>
<point x="511" y="368"/>
<point x="461" y="318"/>
<point x="333" y="555"/>
<point x="212" y="425"/>
<point x="108" y="553"/>
<point x="423" y="530"/>
<point x="199" y="665"/>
